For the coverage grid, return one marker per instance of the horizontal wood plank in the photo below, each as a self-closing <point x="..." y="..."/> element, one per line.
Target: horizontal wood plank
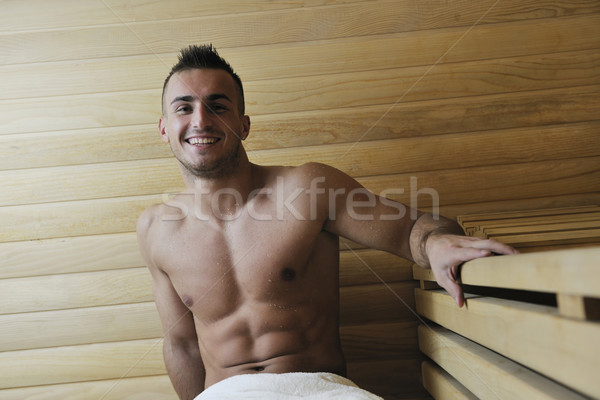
<point x="341" y="55"/>
<point x="34" y="330"/>
<point x="380" y="341"/>
<point x="68" y="255"/>
<point x="571" y="271"/>
<point x="90" y="12"/>
<point x="284" y="26"/>
<point x="377" y="303"/>
<point x="393" y="156"/>
<point x="388" y="86"/>
<point x="83" y="363"/>
<point x="533" y="335"/>
<point x="156" y="387"/>
<point x="296" y="24"/>
<point x="65" y="291"/>
<point x="441" y="385"/>
<point x="566" y="200"/>
<point x="484" y="373"/>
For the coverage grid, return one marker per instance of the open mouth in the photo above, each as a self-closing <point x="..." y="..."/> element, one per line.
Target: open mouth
<point x="202" y="141"/>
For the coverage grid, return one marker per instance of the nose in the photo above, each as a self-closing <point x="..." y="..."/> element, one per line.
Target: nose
<point x="200" y="117"/>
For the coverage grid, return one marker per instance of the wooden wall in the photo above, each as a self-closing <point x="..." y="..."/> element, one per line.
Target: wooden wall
<point x="493" y="104"/>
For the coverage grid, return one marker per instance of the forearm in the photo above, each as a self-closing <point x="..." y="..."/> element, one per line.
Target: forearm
<point x="185" y="368"/>
<point x="423" y="228"/>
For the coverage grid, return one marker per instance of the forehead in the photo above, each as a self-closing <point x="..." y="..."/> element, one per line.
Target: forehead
<point x="200" y="83"/>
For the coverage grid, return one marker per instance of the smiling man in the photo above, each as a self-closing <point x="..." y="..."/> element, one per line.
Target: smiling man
<point x="245" y="260"/>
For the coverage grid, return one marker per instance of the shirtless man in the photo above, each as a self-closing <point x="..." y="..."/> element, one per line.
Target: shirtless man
<point x="252" y="251"/>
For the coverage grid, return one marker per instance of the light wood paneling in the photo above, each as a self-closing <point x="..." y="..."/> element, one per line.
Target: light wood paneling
<point x="283" y="26"/>
<point x="97" y="361"/>
<point x="485" y="106"/>
<point x="68" y="255"/>
<point x="86" y="289"/>
<point x="484" y="373"/>
<point x="149" y="387"/>
<point x="572" y="271"/>
<point x="441" y="385"/>
<point x="532" y="335"/>
<point x="34" y="330"/>
<point x="387" y="86"/>
<point x="17" y="15"/>
<point x="311" y="58"/>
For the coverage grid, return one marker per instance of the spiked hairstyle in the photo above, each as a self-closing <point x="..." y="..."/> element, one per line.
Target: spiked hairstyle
<point x="204" y="57"/>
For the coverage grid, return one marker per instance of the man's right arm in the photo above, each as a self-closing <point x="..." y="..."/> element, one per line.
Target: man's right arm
<point x="180" y="347"/>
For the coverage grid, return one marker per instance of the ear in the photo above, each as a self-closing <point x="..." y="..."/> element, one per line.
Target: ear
<point x="245" y="127"/>
<point x="162" y="129"/>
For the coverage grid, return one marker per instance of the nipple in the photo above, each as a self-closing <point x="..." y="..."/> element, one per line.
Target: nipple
<point x="288" y="274"/>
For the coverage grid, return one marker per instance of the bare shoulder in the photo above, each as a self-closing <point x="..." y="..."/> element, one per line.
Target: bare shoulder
<point x="147" y="220"/>
<point x="307" y="173"/>
<point x="150" y="230"/>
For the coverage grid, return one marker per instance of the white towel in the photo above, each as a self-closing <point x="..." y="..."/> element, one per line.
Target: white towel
<point x="288" y="386"/>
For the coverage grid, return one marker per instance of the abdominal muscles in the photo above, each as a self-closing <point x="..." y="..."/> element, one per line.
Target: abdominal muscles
<point x="269" y="337"/>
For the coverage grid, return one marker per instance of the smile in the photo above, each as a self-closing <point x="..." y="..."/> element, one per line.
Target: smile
<point x="202" y="141"/>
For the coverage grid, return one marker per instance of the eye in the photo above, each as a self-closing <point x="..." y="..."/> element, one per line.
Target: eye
<point x="217" y="108"/>
<point x="182" y="109"/>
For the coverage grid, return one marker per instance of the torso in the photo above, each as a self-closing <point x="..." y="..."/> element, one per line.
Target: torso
<point x="264" y="293"/>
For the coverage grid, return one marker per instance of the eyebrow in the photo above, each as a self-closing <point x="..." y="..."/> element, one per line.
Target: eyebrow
<point x="210" y="97"/>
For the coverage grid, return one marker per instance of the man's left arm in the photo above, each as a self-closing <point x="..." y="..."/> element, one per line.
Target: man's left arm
<point x="380" y="223"/>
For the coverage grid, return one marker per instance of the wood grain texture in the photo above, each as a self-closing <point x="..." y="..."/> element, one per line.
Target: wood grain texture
<point x="89" y="12"/>
<point x="83" y="363"/>
<point x="388" y="86"/>
<point x="532" y="335"/>
<point x="486" y="374"/>
<point x="478" y="106"/>
<point x="441" y="385"/>
<point x="571" y="271"/>
<point x="369" y="158"/>
<point x="298" y="24"/>
<point x="66" y="291"/>
<point x="156" y="387"/>
<point x="332" y="56"/>
<point x="77" y="326"/>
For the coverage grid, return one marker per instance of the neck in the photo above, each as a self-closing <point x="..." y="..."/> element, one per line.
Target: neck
<point x="222" y="197"/>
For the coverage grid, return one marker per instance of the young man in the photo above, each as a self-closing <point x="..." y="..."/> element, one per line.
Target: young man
<point x="245" y="261"/>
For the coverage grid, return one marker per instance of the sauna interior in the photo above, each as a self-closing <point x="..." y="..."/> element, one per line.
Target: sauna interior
<point x="486" y="111"/>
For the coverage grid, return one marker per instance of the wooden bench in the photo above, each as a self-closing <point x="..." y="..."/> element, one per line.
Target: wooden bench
<point x="531" y="324"/>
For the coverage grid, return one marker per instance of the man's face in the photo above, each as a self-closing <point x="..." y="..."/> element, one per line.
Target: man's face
<point x="202" y="123"/>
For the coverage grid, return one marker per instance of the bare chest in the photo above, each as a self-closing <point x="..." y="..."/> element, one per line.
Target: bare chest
<point x="217" y="269"/>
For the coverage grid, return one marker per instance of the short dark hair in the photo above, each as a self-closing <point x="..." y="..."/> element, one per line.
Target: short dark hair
<point x="204" y="57"/>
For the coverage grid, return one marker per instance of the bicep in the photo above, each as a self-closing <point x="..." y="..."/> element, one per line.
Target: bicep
<point x="175" y="317"/>
<point x="366" y="218"/>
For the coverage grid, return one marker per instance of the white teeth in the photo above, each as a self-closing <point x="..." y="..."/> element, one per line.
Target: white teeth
<point x="197" y="140"/>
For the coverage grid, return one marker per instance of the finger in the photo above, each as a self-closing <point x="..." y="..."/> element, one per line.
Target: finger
<point x="494" y="246"/>
<point x="453" y="290"/>
<point x="464" y="254"/>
